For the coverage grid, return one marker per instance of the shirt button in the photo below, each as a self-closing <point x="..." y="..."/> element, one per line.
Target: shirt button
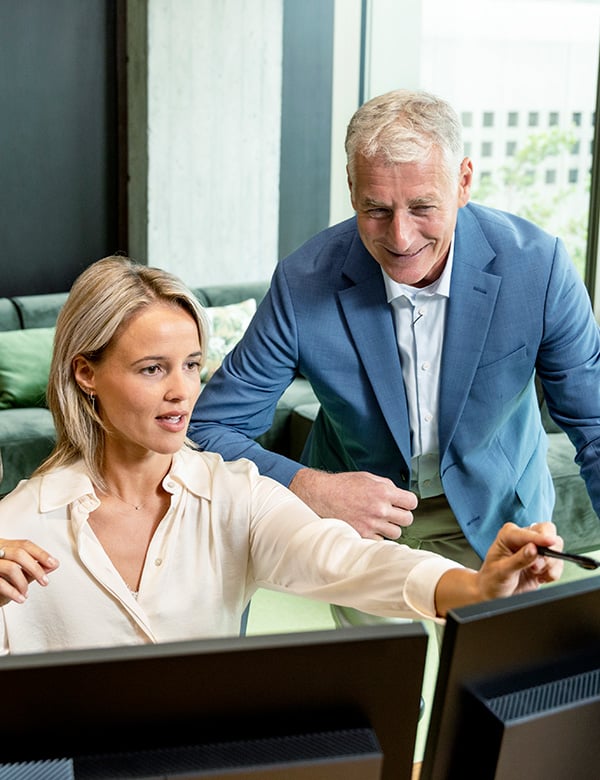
<point x="426" y="365"/>
<point x="158" y="561"/>
<point x="428" y="417"/>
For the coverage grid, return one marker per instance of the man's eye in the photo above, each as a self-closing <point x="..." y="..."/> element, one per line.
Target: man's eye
<point x="378" y="213"/>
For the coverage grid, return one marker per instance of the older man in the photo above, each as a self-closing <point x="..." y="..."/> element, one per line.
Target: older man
<point x="421" y="324"/>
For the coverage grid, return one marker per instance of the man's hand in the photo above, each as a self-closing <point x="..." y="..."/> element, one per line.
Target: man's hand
<point x="372" y="505"/>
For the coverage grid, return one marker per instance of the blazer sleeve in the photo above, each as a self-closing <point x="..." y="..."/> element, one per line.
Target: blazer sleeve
<point x="238" y="403"/>
<point x="568" y="366"/>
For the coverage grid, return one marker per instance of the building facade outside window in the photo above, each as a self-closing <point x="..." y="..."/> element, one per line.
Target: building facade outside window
<point x="522" y="75"/>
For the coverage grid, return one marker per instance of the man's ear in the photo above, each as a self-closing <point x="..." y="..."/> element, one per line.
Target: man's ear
<point x="465" y="181"/>
<point x="83" y="371"/>
<point x="349" y="180"/>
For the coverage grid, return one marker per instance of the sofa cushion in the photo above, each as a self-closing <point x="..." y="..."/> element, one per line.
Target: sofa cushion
<point x="9" y="315"/>
<point x="24" y="366"/>
<point x="223" y="294"/>
<point x="39" y="311"/>
<point x="227" y="326"/>
<point x="27" y="437"/>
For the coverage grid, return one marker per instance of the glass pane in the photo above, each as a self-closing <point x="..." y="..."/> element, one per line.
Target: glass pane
<point x="522" y="76"/>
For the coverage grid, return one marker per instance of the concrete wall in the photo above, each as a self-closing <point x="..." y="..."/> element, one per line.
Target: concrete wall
<point x="206" y="205"/>
<point x="221" y="185"/>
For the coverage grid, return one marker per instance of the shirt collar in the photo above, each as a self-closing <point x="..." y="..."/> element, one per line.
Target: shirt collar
<point x="190" y="469"/>
<point x="72" y="483"/>
<point x="441" y="286"/>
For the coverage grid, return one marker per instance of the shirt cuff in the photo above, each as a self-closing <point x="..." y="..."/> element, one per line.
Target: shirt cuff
<point x="420" y="585"/>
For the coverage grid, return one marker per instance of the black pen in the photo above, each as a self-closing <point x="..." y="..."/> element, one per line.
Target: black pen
<point x="580" y="560"/>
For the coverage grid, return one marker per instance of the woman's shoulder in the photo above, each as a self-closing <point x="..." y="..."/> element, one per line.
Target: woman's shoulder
<point x="50" y="490"/>
<point x="197" y="468"/>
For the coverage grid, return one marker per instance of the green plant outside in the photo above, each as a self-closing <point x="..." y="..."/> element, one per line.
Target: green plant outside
<point x="516" y="186"/>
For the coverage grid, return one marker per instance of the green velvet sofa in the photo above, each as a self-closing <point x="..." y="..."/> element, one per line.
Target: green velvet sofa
<point x="27" y="431"/>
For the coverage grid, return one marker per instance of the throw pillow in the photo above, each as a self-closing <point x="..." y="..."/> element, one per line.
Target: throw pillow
<point x="25" y="357"/>
<point x="227" y="326"/>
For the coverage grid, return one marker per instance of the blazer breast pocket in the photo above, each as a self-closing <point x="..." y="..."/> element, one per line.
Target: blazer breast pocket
<point x="504" y="377"/>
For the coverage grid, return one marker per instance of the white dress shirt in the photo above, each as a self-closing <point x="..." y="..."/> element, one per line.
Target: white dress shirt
<point x="420" y="318"/>
<point x="228" y="532"/>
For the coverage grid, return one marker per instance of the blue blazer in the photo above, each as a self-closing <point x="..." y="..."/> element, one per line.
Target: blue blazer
<point x="517" y="306"/>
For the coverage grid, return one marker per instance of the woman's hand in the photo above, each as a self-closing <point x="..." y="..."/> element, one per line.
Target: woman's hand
<point x="511" y="566"/>
<point x="22" y="562"/>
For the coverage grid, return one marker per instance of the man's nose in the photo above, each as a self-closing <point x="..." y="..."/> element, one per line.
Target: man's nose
<point x="400" y="230"/>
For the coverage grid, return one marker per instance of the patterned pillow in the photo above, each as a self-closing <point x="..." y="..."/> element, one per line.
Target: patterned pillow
<point x="227" y="326"/>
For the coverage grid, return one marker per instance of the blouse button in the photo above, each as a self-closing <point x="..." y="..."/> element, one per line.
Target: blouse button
<point x="158" y="561"/>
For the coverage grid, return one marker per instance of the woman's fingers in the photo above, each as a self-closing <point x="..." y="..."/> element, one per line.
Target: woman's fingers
<point x="22" y="562"/>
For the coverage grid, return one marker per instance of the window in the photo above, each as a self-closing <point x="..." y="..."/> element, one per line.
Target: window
<point x="524" y="134"/>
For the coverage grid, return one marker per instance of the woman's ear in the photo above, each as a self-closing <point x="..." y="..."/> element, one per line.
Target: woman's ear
<point x="83" y="372"/>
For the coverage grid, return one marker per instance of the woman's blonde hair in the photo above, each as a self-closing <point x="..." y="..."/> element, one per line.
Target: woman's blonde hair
<point x="102" y="301"/>
<point x="403" y="126"/>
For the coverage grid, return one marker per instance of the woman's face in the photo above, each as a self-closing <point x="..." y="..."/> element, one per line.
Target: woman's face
<point x="147" y="381"/>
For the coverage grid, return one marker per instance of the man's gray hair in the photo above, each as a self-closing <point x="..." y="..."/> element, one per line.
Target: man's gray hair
<point x="405" y="126"/>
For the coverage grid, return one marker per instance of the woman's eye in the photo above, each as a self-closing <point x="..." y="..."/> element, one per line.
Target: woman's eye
<point x="151" y="370"/>
<point x="193" y="365"/>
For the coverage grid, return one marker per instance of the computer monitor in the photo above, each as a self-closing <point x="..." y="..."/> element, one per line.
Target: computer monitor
<point x="340" y="704"/>
<point x="518" y="689"/>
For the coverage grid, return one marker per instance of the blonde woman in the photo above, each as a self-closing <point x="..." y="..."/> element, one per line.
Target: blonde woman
<point x="127" y="534"/>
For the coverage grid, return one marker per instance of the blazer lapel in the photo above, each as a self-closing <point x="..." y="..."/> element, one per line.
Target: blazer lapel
<point x="473" y="294"/>
<point x="371" y="324"/>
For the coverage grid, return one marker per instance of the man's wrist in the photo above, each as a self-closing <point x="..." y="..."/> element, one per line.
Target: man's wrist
<point x="306" y="484"/>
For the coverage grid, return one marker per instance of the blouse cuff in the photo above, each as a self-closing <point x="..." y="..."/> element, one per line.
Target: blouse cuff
<point x="420" y="585"/>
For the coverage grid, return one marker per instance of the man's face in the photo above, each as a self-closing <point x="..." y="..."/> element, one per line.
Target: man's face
<point x="407" y="213"/>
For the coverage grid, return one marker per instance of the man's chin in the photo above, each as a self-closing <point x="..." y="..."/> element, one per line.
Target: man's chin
<point x="414" y="277"/>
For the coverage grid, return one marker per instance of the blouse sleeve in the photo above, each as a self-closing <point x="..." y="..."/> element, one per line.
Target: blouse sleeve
<point x="294" y="550"/>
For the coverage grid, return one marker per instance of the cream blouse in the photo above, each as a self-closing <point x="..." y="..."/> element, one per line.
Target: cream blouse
<point x="228" y="531"/>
